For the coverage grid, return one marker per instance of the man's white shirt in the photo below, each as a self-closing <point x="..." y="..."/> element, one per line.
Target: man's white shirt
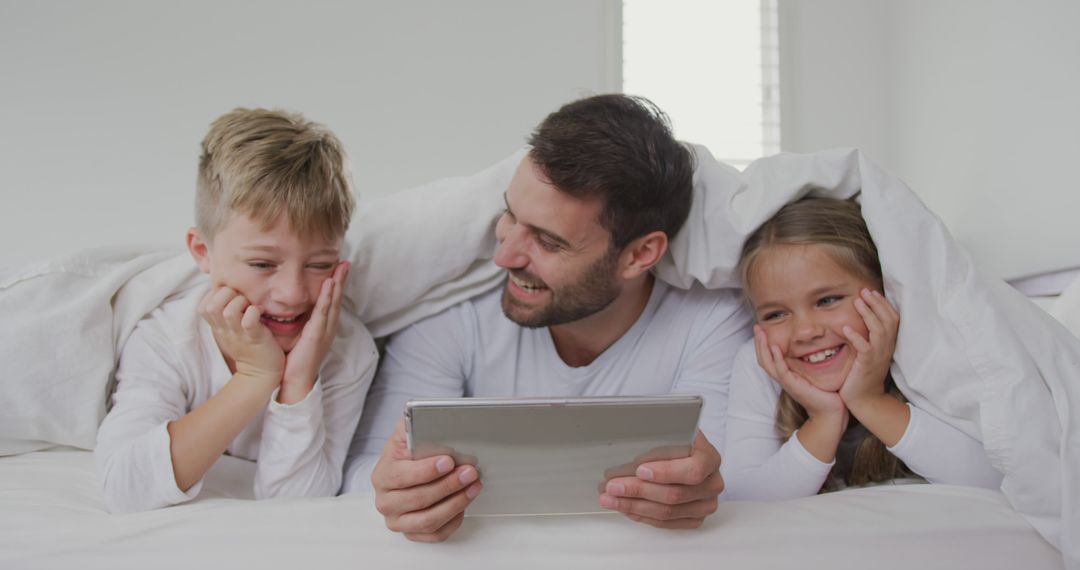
<point x="684" y="342"/>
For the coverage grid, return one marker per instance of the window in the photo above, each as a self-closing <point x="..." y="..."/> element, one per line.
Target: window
<point x="712" y="66"/>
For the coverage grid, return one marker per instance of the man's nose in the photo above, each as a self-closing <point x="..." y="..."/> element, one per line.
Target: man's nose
<point x="511" y="251"/>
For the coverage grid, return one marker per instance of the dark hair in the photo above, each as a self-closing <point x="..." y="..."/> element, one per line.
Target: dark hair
<point x="618" y="148"/>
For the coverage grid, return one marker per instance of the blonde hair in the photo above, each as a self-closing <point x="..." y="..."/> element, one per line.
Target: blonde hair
<point x="259" y="162"/>
<point x="839" y="227"/>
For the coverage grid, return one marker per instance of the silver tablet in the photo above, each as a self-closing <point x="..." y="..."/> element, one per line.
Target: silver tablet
<point x="551" y="455"/>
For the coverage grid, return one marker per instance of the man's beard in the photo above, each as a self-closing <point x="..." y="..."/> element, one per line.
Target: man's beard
<point x="587" y="296"/>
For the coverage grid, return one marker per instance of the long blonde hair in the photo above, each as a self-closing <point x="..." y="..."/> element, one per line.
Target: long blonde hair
<point x="837" y="225"/>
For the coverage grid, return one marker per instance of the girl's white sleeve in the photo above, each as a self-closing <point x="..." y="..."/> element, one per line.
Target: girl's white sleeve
<point x="303" y="446"/>
<point x="943" y="454"/>
<point x="758" y="464"/>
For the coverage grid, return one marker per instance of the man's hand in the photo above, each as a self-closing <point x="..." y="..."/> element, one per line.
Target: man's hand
<point x="425" y="499"/>
<point x="304" y="360"/>
<point x="677" y="493"/>
<point x="242" y="337"/>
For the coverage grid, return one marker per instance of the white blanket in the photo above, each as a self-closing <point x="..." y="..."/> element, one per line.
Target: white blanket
<point x="52" y="516"/>
<point x="971" y="351"/>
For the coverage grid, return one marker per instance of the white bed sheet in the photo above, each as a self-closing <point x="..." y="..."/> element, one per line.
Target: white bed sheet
<point x="52" y="516"/>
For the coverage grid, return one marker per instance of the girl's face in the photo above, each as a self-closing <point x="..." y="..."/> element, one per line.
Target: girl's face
<point x="803" y="299"/>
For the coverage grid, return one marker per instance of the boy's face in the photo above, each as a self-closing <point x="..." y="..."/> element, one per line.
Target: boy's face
<point x="277" y="270"/>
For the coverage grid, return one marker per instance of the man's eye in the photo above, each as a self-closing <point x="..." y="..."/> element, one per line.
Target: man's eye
<point x="548" y="245"/>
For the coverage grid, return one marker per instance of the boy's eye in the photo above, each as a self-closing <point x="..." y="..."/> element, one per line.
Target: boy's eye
<point x="261" y="265"/>
<point x="829" y="300"/>
<point x="321" y="266"/>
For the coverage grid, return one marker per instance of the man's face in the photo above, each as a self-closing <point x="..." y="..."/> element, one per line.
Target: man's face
<point x="276" y="270"/>
<point x="561" y="263"/>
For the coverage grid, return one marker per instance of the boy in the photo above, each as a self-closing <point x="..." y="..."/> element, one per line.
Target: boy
<point x="255" y="363"/>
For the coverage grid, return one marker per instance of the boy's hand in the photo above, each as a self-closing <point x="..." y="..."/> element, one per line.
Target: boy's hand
<point x="424" y="499"/>
<point x="866" y="380"/>
<point x="304" y="360"/>
<point x="241" y="336"/>
<point x="677" y="493"/>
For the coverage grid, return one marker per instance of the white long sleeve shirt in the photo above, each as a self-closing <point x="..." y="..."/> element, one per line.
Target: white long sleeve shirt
<point x="759" y="465"/>
<point x="171" y="365"/>
<point x="683" y="342"/>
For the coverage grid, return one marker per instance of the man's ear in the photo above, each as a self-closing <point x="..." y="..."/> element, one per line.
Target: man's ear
<point x="199" y="248"/>
<point x="642" y="254"/>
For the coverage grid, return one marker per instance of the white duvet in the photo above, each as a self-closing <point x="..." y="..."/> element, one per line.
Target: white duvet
<point x="52" y="516"/>
<point x="971" y="351"/>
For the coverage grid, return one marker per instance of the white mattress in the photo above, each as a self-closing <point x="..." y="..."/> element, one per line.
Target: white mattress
<point x="52" y="516"/>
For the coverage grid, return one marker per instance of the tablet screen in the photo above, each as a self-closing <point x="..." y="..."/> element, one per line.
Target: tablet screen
<point x="551" y="456"/>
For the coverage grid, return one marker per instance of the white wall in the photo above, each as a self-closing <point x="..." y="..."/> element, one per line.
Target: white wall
<point x="972" y="102"/>
<point x="103" y="104"/>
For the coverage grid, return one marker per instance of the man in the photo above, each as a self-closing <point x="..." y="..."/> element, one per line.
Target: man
<point x="589" y="211"/>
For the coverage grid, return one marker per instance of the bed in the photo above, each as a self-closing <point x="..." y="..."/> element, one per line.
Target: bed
<point x="1012" y="373"/>
<point x="52" y="516"/>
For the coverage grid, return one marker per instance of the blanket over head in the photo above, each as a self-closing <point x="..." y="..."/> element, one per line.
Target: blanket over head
<point x="971" y="350"/>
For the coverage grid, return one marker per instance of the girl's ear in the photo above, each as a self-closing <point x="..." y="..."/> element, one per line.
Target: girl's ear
<point x="199" y="248"/>
<point x="642" y="254"/>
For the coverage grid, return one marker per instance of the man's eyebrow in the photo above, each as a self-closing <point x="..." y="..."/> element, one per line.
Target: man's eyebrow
<point x="538" y="230"/>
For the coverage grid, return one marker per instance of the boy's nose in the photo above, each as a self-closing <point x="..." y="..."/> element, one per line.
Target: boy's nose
<point x="291" y="291"/>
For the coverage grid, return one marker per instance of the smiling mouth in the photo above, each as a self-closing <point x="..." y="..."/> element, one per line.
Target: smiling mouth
<point x="284" y="324"/>
<point x="822" y="356"/>
<point x="525" y="285"/>
<point x="284" y="320"/>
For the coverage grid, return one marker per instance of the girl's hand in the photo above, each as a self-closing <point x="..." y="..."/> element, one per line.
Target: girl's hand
<point x="241" y="336"/>
<point x="866" y="380"/>
<point x="818" y="403"/>
<point x="304" y="360"/>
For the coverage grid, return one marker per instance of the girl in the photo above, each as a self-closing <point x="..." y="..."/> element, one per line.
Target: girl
<point x="813" y="406"/>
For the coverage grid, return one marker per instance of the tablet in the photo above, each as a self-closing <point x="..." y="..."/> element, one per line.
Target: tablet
<point x="551" y="455"/>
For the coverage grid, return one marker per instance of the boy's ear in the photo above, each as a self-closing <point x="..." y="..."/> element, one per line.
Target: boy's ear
<point x="642" y="254"/>
<point x="200" y="250"/>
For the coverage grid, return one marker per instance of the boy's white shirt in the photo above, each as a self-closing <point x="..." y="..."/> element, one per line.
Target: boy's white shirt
<point x="171" y="365"/>
<point x="760" y="465"/>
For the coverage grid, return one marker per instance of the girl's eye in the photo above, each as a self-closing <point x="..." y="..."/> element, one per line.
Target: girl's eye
<point x="771" y="316"/>
<point x="261" y="265"/>
<point x="321" y="266"/>
<point x="830" y="300"/>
